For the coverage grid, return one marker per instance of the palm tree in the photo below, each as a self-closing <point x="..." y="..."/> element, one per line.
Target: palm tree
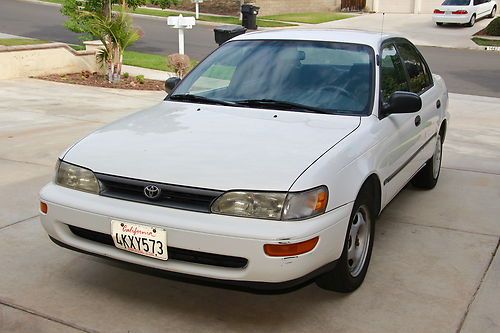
<point x="116" y="33"/>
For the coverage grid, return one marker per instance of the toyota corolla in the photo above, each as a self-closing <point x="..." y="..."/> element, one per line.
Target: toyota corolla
<point x="266" y="166"/>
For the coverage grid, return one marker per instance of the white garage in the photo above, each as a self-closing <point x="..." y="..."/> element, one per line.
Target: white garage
<point x="392" y="6"/>
<point x="403" y="6"/>
<point x="428" y="6"/>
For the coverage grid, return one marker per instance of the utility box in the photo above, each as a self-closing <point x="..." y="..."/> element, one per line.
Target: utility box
<point x="249" y="16"/>
<point x="224" y="33"/>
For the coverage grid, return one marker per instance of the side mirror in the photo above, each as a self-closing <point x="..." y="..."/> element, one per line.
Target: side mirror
<point x="171" y="83"/>
<point x="402" y="102"/>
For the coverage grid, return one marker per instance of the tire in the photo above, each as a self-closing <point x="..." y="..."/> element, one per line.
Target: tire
<point x="351" y="268"/>
<point x="493" y="12"/>
<point x="439" y="23"/>
<point x="472" y="21"/>
<point x="428" y="176"/>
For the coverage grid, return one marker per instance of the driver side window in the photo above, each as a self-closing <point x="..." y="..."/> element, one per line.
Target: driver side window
<point x="393" y="77"/>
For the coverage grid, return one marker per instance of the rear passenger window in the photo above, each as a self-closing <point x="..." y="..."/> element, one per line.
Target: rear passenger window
<point x="419" y="77"/>
<point x="393" y="77"/>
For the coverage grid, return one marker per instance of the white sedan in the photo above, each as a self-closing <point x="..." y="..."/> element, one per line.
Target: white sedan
<point x="266" y="166"/>
<point x="464" y="11"/>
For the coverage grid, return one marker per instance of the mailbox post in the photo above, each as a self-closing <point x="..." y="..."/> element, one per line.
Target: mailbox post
<point x="181" y="23"/>
<point x="197" y="7"/>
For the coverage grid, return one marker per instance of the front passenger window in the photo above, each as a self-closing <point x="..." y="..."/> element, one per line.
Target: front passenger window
<point x="393" y="77"/>
<point x="418" y="74"/>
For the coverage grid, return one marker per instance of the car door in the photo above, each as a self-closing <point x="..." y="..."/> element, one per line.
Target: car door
<point x="402" y="140"/>
<point x="481" y="8"/>
<point x="421" y="83"/>
<point x="488" y="6"/>
<point x="476" y="7"/>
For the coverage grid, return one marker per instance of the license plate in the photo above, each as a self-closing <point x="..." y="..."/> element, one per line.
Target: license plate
<point x="141" y="239"/>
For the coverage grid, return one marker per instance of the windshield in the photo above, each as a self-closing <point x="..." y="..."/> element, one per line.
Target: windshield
<point x="456" y="2"/>
<point x="309" y="76"/>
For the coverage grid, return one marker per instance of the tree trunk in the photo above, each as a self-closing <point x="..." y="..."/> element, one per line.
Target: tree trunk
<point x="106" y="9"/>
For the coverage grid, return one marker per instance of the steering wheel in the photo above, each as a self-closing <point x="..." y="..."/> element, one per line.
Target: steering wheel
<point x="340" y="90"/>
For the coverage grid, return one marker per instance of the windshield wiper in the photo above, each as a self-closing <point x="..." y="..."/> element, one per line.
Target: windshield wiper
<point x="200" y="99"/>
<point x="280" y="105"/>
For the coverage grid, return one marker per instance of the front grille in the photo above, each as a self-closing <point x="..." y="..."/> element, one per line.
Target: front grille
<point x="174" y="253"/>
<point x="173" y="196"/>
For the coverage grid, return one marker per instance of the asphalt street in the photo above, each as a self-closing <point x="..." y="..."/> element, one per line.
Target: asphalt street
<point x="471" y="72"/>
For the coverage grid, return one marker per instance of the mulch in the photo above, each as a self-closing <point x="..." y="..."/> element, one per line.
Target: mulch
<point x="100" y="80"/>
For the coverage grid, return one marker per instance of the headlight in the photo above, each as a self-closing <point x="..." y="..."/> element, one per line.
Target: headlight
<point x="273" y="205"/>
<point x="75" y="177"/>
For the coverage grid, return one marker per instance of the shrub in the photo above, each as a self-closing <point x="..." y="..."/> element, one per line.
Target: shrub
<point x="140" y="79"/>
<point x="126" y="75"/>
<point x="493" y="29"/>
<point x="180" y="63"/>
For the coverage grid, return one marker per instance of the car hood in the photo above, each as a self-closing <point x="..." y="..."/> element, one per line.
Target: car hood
<point x="210" y="146"/>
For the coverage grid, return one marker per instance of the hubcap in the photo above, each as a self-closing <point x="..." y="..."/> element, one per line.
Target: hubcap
<point x="473" y="20"/>
<point x="436" y="159"/>
<point x="358" y="241"/>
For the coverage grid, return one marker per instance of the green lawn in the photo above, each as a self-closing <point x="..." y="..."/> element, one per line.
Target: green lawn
<point x="312" y="18"/>
<point x="486" y="42"/>
<point x="145" y="60"/>
<point x="20" y="41"/>
<point x="209" y="18"/>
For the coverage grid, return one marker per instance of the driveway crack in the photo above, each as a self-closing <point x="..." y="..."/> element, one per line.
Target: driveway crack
<point x="47" y="317"/>
<point x="17" y="222"/>
<point x="473" y="298"/>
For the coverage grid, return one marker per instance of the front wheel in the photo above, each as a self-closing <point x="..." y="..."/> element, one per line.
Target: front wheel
<point x="352" y="266"/>
<point x="493" y="12"/>
<point x="428" y="176"/>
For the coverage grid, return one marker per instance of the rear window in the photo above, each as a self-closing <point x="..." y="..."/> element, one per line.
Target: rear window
<point x="456" y="2"/>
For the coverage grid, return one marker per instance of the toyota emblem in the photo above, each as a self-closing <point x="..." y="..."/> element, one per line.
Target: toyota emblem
<point x="152" y="192"/>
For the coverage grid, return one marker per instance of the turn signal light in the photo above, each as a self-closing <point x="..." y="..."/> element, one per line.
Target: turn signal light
<point x="437" y="11"/>
<point x="43" y="207"/>
<point x="460" y="12"/>
<point x="288" y="250"/>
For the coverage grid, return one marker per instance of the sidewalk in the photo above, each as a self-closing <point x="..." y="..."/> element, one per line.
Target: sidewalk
<point x="419" y="28"/>
<point x="151" y="74"/>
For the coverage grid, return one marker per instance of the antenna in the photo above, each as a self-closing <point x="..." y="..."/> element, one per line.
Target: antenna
<point x="383" y="19"/>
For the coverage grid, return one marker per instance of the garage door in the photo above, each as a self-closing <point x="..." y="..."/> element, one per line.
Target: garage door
<point x="428" y="6"/>
<point x="396" y="6"/>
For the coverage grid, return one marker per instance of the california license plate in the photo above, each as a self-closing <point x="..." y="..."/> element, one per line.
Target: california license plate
<point x="141" y="239"/>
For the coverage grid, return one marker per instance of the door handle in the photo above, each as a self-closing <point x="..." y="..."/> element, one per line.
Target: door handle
<point x="418" y="120"/>
<point x="438" y="104"/>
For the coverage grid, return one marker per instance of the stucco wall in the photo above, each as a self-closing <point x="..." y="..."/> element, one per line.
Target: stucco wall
<point x="271" y="7"/>
<point x="44" y="59"/>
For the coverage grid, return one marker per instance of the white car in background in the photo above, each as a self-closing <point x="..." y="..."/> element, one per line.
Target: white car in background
<point x="464" y="11"/>
<point x="266" y="166"/>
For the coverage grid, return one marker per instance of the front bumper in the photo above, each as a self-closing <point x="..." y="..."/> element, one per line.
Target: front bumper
<point x="207" y="233"/>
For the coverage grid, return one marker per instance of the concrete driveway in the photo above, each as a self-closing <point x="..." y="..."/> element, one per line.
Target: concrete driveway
<point x="434" y="268"/>
<point x="419" y="28"/>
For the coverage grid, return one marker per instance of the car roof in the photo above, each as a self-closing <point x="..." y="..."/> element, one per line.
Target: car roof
<point x="373" y="39"/>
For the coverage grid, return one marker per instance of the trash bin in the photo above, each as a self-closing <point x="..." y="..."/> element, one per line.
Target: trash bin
<point x="226" y="32"/>
<point x="249" y="13"/>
